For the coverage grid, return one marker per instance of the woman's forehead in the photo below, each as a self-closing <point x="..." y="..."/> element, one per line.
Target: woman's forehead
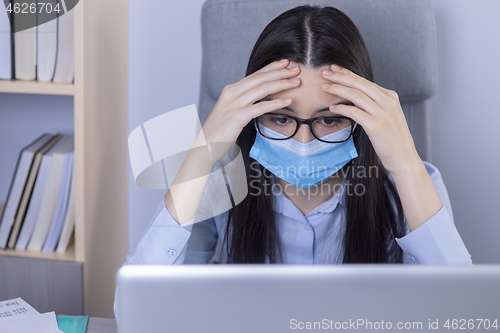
<point x="307" y="67"/>
<point x="309" y="94"/>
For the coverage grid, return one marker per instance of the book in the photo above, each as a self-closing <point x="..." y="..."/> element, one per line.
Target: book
<point x="65" y="48"/>
<point x="28" y="189"/>
<point x="5" y="45"/>
<point x="17" y="186"/>
<point x="36" y="198"/>
<point x="46" y="49"/>
<point x="69" y="219"/>
<point x="25" y="49"/>
<point x="51" y="195"/>
<point x="72" y="324"/>
<point x="62" y="205"/>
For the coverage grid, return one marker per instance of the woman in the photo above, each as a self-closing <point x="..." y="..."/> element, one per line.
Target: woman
<point x="397" y="209"/>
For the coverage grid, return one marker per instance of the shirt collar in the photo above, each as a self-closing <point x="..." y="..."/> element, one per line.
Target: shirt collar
<point x="284" y="205"/>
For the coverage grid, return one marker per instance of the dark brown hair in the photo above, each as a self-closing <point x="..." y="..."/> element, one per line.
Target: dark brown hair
<point x="317" y="36"/>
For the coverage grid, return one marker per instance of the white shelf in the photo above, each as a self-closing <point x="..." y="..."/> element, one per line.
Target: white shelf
<point x="36" y="87"/>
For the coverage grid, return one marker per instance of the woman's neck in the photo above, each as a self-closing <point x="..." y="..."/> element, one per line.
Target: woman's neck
<point x="308" y="199"/>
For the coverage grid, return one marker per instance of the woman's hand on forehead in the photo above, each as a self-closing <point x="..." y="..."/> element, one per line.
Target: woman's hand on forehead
<point x="378" y="111"/>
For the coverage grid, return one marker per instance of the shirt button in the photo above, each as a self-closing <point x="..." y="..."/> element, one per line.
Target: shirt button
<point x="307" y="227"/>
<point x="172" y="253"/>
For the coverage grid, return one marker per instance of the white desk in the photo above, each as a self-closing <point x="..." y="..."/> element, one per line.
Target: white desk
<point x="101" y="325"/>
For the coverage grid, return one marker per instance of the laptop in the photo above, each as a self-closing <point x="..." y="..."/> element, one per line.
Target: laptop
<point x="287" y="298"/>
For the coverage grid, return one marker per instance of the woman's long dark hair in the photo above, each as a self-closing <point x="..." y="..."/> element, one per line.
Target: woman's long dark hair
<point x="317" y="36"/>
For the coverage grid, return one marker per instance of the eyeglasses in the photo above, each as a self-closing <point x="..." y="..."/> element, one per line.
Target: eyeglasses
<point x="276" y="126"/>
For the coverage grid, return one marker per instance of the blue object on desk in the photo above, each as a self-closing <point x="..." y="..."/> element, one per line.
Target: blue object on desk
<point x="72" y="324"/>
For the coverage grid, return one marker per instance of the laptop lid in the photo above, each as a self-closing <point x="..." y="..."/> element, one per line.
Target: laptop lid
<point x="286" y="298"/>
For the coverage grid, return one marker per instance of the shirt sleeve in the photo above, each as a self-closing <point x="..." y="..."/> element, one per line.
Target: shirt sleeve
<point x="165" y="242"/>
<point x="162" y="241"/>
<point x="437" y="241"/>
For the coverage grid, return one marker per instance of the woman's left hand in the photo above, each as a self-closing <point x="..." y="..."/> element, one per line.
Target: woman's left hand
<point x="379" y="112"/>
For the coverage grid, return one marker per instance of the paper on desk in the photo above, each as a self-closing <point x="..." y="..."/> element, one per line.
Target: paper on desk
<point x="16" y="315"/>
<point x="39" y="323"/>
<point x="16" y="307"/>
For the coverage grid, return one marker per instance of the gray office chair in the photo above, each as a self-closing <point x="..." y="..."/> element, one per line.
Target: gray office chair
<point x="400" y="36"/>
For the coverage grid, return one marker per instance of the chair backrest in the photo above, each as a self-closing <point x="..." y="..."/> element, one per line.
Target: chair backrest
<point x="400" y="36"/>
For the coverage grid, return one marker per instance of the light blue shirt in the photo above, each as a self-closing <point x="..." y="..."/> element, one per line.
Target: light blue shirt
<point x="315" y="238"/>
<point x="311" y="239"/>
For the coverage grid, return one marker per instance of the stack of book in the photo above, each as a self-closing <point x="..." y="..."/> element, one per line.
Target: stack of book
<point x="39" y="214"/>
<point x="44" y="52"/>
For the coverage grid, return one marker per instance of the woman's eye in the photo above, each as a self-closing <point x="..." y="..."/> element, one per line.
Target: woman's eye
<point x="280" y="120"/>
<point x="329" y="121"/>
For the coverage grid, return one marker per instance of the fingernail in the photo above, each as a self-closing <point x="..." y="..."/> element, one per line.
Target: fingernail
<point x="294" y="68"/>
<point x="282" y="60"/>
<point x="336" y="67"/>
<point x="294" y="80"/>
<point x="327" y="72"/>
<point x="326" y="85"/>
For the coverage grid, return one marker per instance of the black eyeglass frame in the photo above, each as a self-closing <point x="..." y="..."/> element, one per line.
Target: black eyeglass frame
<point x="309" y="122"/>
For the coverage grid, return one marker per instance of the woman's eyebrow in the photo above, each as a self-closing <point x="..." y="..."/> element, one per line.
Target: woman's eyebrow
<point x="345" y="102"/>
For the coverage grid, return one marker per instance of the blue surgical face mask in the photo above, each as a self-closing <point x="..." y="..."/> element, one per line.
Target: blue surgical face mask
<point x="303" y="165"/>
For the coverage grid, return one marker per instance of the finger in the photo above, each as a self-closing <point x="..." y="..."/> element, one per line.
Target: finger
<point x="354" y="95"/>
<point x="346" y="70"/>
<point x="265" y="89"/>
<point x="359" y="116"/>
<point x="348" y="78"/>
<point x="390" y="93"/>
<point x="269" y="67"/>
<point x="260" y="108"/>
<point x="248" y="83"/>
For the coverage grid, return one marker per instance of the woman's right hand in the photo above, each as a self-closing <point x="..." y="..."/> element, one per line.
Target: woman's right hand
<point x="236" y="105"/>
<point x="235" y="108"/>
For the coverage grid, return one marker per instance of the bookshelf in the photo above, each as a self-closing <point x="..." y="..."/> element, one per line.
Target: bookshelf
<point x="36" y="87"/>
<point x="100" y="94"/>
<point x="69" y="255"/>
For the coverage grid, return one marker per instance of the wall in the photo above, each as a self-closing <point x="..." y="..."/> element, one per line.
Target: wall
<point x="465" y="118"/>
<point x="164" y="74"/>
<point x="164" y="69"/>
